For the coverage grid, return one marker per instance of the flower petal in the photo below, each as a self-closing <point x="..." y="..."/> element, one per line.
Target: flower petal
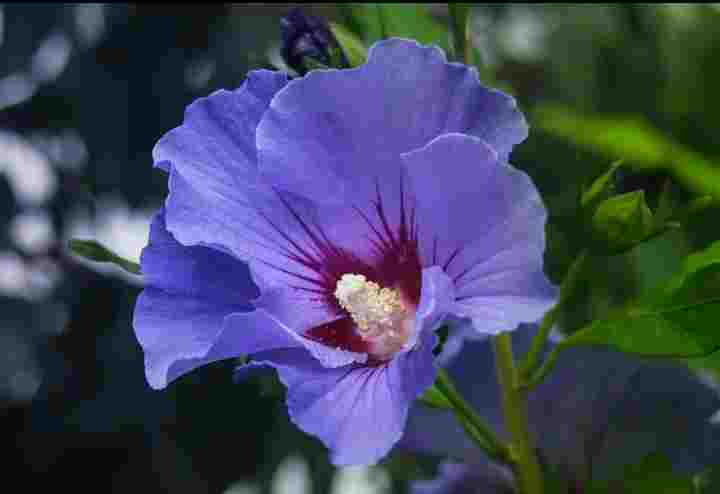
<point x="195" y="309"/>
<point x="436" y="302"/>
<point x="484" y="222"/>
<point x="217" y="197"/>
<point x="189" y="290"/>
<point x="348" y="127"/>
<point x="359" y="412"/>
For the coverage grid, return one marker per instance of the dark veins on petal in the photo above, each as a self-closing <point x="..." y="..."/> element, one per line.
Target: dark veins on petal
<point x="395" y="264"/>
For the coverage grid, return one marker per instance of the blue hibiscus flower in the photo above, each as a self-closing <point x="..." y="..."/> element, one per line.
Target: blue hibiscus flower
<point x="327" y="225"/>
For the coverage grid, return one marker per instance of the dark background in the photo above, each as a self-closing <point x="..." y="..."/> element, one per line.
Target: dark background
<point x="86" y="91"/>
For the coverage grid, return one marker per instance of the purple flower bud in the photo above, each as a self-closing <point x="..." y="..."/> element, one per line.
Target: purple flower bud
<point x="306" y="36"/>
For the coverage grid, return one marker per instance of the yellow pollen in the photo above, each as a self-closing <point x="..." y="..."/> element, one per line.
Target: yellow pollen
<point x="375" y="310"/>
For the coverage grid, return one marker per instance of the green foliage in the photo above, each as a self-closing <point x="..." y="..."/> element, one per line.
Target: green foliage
<point x="634" y="139"/>
<point x="377" y="21"/>
<point x="678" y="320"/>
<point x="354" y="48"/>
<point x="95" y="251"/>
<point x="653" y="474"/>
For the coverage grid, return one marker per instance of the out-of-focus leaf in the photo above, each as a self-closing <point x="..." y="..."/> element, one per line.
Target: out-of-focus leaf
<point x="652" y="475"/>
<point x="95" y="251"/>
<point x="354" y="48"/>
<point x="374" y="21"/>
<point x="621" y="222"/>
<point x="708" y="482"/>
<point x="459" y="24"/>
<point x="632" y="138"/>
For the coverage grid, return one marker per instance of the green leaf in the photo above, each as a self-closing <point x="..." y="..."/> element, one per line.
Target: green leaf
<point x="677" y="320"/>
<point x="632" y="138"/>
<point x="652" y="475"/>
<point x="379" y="21"/>
<point x="95" y="251"/>
<point x="354" y="48"/>
<point x="622" y="222"/>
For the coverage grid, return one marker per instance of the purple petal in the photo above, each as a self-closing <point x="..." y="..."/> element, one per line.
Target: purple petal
<point x="335" y="136"/>
<point x="484" y="222"/>
<point x="359" y="412"/>
<point x="189" y="290"/>
<point x="259" y="331"/>
<point x="348" y="127"/>
<point x="436" y="301"/>
<point x="195" y="310"/>
<point x="217" y="197"/>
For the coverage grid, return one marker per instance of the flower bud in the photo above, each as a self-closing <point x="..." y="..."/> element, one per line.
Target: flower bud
<point x="308" y="43"/>
<point x="622" y="222"/>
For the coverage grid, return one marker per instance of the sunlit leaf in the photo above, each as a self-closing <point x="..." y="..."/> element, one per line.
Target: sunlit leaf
<point x="634" y="139"/>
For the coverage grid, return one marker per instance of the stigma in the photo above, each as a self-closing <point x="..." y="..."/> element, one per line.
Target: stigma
<point x="379" y="314"/>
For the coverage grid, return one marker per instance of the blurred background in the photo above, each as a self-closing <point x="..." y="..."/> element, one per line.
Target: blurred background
<point x="85" y="92"/>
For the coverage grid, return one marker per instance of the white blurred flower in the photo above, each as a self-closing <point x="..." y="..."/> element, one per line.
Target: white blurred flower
<point x="28" y="170"/>
<point x="89" y="22"/>
<point x="28" y="280"/>
<point x="361" y="480"/>
<point x="32" y="231"/>
<point x="51" y="58"/>
<point x="293" y="477"/>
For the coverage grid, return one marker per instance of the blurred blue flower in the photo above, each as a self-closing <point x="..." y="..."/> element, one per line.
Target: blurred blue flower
<point x="600" y="410"/>
<point x="328" y="225"/>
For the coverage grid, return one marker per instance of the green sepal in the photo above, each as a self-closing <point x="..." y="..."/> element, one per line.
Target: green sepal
<point x="354" y="49"/>
<point x="600" y="189"/>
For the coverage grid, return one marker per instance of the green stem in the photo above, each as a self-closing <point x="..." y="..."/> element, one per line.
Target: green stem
<point x="471" y="421"/>
<point x="514" y="403"/>
<point x="530" y="382"/>
<point x="569" y="284"/>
